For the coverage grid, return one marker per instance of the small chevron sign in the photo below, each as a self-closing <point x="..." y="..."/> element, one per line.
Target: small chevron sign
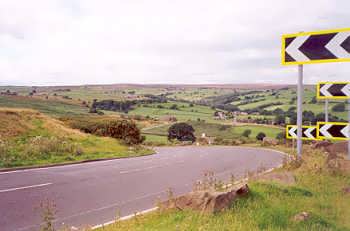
<point x="309" y="132"/>
<point x="333" y="130"/>
<point x="333" y="90"/>
<point x="316" y="47"/>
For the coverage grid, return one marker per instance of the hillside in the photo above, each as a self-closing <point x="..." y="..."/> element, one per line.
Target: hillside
<point x="28" y="137"/>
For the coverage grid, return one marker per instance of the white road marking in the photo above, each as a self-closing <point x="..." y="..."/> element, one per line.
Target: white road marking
<point x="24" y="187"/>
<point x="147" y="168"/>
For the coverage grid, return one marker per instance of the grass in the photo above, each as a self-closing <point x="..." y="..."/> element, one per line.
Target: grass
<point x="49" y="107"/>
<point x="29" y="138"/>
<point x="156" y="140"/>
<point x="222" y="131"/>
<point x="270" y="206"/>
<point x="184" y="113"/>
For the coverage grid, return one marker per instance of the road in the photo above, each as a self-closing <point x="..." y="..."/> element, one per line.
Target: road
<point x="93" y="193"/>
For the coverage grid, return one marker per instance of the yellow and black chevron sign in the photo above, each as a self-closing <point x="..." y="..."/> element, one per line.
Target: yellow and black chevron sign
<point x="316" y="47"/>
<point x="308" y="132"/>
<point x="333" y="90"/>
<point x="333" y="130"/>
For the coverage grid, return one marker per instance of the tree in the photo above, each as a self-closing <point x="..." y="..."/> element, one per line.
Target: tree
<point x="246" y="133"/>
<point x="182" y="132"/>
<point x="339" y="107"/>
<point x="313" y="100"/>
<point x="260" y="136"/>
<point x="174" y="107"/>
<point x="280" y="119"/>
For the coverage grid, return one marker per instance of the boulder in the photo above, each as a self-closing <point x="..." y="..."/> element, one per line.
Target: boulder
<point x="303" y="216"/>
<point x="269" y="141"/>
<point x="206" y="201"/>
<point x="346" y="190"/>
<point x="284" y="177"/>
<point x="322" y="144"/>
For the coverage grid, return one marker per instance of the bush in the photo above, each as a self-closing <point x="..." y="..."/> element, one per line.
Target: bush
<point x="260" y="136"/>
<point x="339" y="107"/>
<point x="181" y="132"/>
<point x="246" y="133"/>
<point x="119" y="129"/>
<point x="174" y="107"/>
<point x="280" y="136"/>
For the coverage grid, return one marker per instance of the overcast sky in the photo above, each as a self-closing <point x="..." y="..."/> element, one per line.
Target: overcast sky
<point x="55" y="42"/>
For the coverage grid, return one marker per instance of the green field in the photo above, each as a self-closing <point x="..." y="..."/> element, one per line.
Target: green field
<point x="222" y="131"/>
<point x="184" y="112"/>
<point x="284" y="96"/>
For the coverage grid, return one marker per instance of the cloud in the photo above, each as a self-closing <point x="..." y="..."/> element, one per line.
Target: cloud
<point x="45" y="42"/>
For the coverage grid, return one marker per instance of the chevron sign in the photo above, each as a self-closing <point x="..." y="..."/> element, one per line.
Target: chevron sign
<point x="333" y="130"/>
<point x="316" y="47"/>
<point x="309" y="132"/>
<point x="333" y="90"/>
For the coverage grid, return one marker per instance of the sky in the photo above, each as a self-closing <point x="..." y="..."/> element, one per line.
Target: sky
<point x="70" y="42"/>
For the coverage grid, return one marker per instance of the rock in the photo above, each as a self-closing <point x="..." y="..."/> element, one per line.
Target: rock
<point x="321" y="144"/>
<point x="303" y="216"/>
<point x="340" y="165"/>
<point x="206" y="201"/>
<point x="284" y="177"/>
<point x="269" y="141"/>
<point x="346" y="190"/>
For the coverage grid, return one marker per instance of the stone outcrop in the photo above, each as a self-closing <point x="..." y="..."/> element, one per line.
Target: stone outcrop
<point x="303" y="216"/>
<point x="206" y="201"/>
<point x="269" y="141"/>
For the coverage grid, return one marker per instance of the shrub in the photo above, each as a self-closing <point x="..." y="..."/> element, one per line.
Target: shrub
<point x="174" y="107"/>
<point x="339" y="107"/>
<point x="246" y="133"/>
<point x="181" y="132"/>
<point x="260" y="136"/>
<point x="280" y="136"/>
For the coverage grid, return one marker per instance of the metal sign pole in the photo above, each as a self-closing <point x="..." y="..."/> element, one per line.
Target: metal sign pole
<point x="349" y="129"/>
<point x="326" y="110"/>
<point x="300" y="109"/>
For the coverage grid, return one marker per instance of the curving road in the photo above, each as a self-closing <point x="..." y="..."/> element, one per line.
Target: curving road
<point x="92" y="193"/>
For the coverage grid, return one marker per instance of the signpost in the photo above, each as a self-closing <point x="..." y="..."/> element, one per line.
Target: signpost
<point x="333" y="130"/>
<point x="314" y="47"/>
<point x="308" y="132"/>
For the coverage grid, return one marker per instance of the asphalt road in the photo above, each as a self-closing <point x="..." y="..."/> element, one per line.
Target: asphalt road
<point x="93" y="193"/>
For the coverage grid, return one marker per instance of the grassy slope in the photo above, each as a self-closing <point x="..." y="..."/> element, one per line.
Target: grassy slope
<point x="270" y="206"/>
<point x="50" y="107"/>
<point x="32" y="138"/>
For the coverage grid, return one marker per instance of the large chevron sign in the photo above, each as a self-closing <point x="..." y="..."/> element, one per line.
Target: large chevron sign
<point x="316" y="47"/>
<point x="333" y="130"/>
<point x="333" y="90"/>
<point x="309" y="132"/>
